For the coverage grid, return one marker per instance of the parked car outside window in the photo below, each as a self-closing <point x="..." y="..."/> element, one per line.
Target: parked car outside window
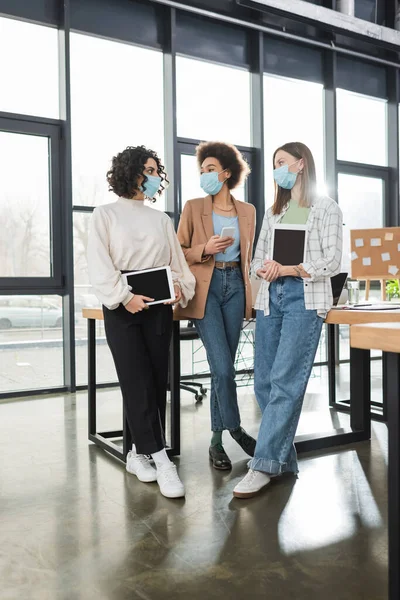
<point x="29" y="311"/>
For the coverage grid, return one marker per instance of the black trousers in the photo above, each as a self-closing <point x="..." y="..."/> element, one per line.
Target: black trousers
<point x="140" y="344"/>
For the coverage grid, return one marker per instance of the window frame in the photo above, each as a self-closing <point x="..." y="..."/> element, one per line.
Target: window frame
<point x="53" y="284"/>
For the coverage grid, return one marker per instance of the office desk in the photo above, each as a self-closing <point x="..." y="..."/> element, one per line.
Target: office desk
<point x="352" y="317"/>
<point x="386" y="337"/>
<point x="104" y="439"/>
<point x="360" y="411"/>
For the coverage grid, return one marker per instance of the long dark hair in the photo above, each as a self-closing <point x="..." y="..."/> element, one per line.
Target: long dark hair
<point x="308" y="177"/>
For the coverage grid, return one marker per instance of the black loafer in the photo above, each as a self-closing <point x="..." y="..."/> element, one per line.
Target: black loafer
<point x="219" y="458"/>
<point x="245" y="441"/>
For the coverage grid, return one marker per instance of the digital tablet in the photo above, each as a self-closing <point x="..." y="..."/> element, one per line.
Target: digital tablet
<point x="289" y="244"/>
<point x="155" y="283"/>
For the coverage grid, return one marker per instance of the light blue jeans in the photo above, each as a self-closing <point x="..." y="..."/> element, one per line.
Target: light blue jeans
<point x="286" y="344"/>
<point x="219" y="331"/>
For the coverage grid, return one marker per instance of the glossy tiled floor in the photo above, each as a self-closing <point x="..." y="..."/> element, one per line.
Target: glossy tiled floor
<point x="76" y="526"/>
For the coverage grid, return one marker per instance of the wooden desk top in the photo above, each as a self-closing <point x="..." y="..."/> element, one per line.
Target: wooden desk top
<point x="342" y="316"/>
<point x="335" y="317"/>
<point x="93" y="313"/>
<point x="376" y="336"/>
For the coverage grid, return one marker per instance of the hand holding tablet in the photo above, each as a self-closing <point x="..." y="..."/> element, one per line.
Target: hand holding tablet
<point x="154" y="285"/>
<point x="138" y="303"/>
<point x="270" y="270"/>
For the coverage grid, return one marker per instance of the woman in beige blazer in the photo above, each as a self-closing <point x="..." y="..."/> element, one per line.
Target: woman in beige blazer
<point x="223" y="295"/>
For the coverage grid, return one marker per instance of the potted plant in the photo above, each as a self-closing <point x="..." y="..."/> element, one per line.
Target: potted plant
<point x="392" y="289"/>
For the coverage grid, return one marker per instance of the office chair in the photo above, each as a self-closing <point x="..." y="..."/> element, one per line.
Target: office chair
<point x="186" y="334"/>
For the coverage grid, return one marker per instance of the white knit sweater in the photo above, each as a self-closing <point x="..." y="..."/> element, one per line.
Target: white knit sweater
<point x="128" y="235"/>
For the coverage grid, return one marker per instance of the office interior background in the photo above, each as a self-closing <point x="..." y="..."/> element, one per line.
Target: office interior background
<point x="96" y="76"/>
<point x="83" y="79"/>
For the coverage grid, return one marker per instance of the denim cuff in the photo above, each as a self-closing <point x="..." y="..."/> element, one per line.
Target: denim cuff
<point x="272" y="467"/>
<point x="220" y="430"/>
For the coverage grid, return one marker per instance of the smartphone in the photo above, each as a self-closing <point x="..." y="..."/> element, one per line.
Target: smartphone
<point x="228" y="232"/>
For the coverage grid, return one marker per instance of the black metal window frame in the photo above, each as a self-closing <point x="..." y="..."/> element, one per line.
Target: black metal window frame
<point x="68" y="15"/>
<point x="52" y="284"/>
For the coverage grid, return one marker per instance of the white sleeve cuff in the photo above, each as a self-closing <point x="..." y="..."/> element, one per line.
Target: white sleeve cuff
<point x="128" y="298"/>
<point x="308" y="268"/>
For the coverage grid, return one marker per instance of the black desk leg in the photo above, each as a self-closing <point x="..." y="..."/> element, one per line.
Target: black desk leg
<point x="331" y="365"/>
<point x="92" y="376"/>
<point x="360" y="391"/>
<point x="393" y="416"/>
<point x="174" y="379"/>
<point x="384" y="385"/>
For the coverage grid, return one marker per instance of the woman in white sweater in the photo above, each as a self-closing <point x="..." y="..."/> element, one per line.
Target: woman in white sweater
<point x="128" y="235"/>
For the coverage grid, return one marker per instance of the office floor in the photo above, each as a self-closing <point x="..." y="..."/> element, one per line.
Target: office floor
<point x="76" y="526"/>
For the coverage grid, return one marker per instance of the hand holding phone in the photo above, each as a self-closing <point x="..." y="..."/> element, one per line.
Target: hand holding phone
<point x="228" y="233"/>
<point x="219" y="243"/>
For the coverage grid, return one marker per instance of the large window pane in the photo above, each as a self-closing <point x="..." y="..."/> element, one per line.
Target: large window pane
<point x="31" y="342"/>
<point x="361" y="128"/>
<point x="117" y="101"/>
<point x="24" y="209"/>
<point x="28" y="68"/>
<point x="293" y="112"/>
<point x="84" y="297"/>
<point x="361" y="200"/>
<point x="213" y="101"/>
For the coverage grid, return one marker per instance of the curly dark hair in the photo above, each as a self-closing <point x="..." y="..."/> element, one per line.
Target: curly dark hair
<point x="229" y="157"/>
<point x="127" y="166"/>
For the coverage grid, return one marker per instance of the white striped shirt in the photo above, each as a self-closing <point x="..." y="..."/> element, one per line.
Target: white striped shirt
<point x="323" y="254"/>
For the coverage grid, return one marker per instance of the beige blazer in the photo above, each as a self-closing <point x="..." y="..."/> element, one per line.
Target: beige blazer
<point x="195" y="229"/>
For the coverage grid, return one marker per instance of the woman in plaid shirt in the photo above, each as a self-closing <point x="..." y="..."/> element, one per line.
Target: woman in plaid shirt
<point x="291" y="307"/>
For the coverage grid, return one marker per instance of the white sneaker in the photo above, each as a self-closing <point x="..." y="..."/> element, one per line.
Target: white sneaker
<point x="168" y="480"/>
<point x="139" y="465"/>
<point x="251" y="484"/>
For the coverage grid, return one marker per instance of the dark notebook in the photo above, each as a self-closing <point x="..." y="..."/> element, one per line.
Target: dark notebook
<point x="289" y="244"/>
<point x="153" y="283"/>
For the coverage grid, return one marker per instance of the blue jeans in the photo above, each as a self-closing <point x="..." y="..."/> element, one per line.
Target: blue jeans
<point x="286" y="344"/>
<point x="219" y="331"/>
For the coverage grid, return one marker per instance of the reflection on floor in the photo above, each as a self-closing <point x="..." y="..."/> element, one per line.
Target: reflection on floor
<point x="76" y="526"/>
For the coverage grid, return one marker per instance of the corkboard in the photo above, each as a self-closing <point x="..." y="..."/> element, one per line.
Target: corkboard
<point x="375" y="253"/>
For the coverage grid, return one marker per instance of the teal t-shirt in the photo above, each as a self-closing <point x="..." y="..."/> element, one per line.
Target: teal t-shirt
<point x="295" y="214"/>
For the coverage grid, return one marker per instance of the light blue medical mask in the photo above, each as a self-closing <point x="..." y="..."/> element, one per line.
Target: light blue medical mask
<point x="210" y="183"/>
<point x="285" y="178"/>
<point x="151" y="186"/>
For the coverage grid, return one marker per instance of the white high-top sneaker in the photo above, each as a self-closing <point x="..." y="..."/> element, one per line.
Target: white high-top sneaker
<point x="168" y="480"/>
<point x="139" y="465"/>
<point x="251" y="484"/>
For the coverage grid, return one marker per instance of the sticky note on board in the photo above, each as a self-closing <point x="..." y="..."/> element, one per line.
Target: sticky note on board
<point x="393" y="270"/>
<point x="398" y="247"/>
<point x="354" y="255"/>
<point x="376" y="242"/>
<point x="388" y="237"/>
<point x="367" y="261"/>
<point x="359" y="243"/>
<point x="385" y="256"/>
